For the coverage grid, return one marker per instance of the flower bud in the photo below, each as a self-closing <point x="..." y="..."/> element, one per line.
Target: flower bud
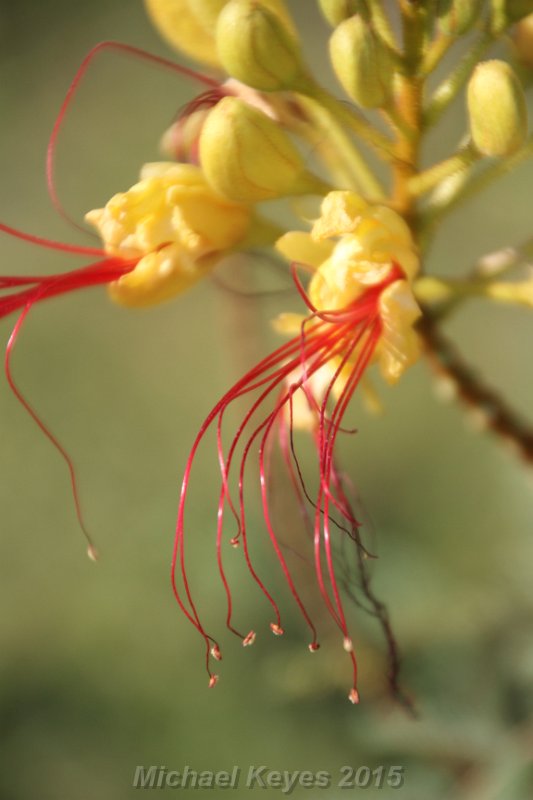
<point x="257" y="46"/>
<point x="335" y="11"/>
<point x="180" y="141"/>
<point x="362" y="63"/>
<point x="523" y="39"/>
<point x="247" y="157"/>
<point x="180" y="27"/>
<point x="497" y="109"/>
<point x="517" y="9"/>
<point x="206" y="12"/>
<point x="456" y="17"/>
<point x="504" y="13"/>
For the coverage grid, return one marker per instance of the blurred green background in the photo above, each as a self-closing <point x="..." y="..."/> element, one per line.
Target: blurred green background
<point x="99" y="671"/>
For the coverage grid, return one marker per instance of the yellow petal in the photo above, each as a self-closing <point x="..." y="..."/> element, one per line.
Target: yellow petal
<point x="159" y="277"/>
<point x="399" y="345"/>
<point x="301" y="247"/>
<point x="340" y="213"/>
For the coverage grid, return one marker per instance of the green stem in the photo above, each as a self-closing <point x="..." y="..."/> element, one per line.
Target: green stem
<point x="435" y="53"/>
<point x="413" y="27"/>
<point x="448" y="90"/>
<point x="349" y="116"/>
<point x="427" y="180"/>
<point x="393" y="116"/>
<point x="476" y="183"/>
<point x="446" y="293"/>
<point x="500" y="262"/>
<point x="382" y="25"/>
<point x="339" y="151"/>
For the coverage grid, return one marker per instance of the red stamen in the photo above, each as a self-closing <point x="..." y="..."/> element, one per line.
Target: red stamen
<point x="40" y="288"/>
<point x="50" y="244"/>
<point x="349" y="335"/>
<point x="121" y="48"/>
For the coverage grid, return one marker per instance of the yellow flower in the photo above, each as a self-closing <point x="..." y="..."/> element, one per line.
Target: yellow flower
<point x="176" y="226"/>
<point x="354" y="246"/>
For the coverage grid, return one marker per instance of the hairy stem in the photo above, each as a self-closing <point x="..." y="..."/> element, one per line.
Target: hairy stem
<point x="498" y="416"/>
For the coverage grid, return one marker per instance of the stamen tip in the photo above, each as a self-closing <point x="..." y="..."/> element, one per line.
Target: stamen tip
<point x="213" y="680"/>
<point x="313" y="647"/>
<point x="216" y="653"/>
<point x="348" y="644"/>
<point x="277" y="630"/>
<point x="353" y="697"/>
<point x="92" y="553"/>
<point x="249" y="639"/>
<point x="234" y="542"/>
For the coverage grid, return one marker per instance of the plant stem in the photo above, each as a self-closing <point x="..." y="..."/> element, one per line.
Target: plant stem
<point x="427" y="180"/>
<point x="477" y="183"/>
<point x="496" y="415"/>
<point x="349" y="116"/>
<point x="435" y="53"/>
<point x="408" y="103"/>
<point x="381" y="24"/>
<point x="448" y="90"/>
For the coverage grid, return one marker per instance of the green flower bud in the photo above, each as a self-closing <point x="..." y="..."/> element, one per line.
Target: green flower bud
<point x="523" y="39"/>
<point x="506" y="12"/>
<point x="497" y="109"/>
<point x="257" y="46"/>
<point x="456" y="17"/>
<point x="207" y="11"/>
<point x="248" y="158"/>
<point x="362" y="63"/>
<point x="335" y="11"/>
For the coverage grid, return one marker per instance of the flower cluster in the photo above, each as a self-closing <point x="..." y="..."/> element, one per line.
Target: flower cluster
<point x="265" y="130"/>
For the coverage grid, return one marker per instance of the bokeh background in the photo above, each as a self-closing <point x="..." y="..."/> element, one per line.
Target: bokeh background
<point x="99" y="672"/>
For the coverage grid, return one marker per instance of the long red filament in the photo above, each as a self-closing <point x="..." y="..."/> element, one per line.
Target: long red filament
<point x="36" y="289"/>
<point x="118" y="47"/>
<point x="349" y="337"/>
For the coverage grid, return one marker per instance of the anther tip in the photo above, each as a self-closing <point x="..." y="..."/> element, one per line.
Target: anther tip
<point x="277" y="630"/>
<point x="249" y="639"/>
<point x="348" y="644"/>
<point x="92" y="553"/>
<point x="216" y="653"/>
<point x="213" y="680"/>
<point x="313" y="647"/>
<point x="353" y="697"/>
<point x="234" y="542"/>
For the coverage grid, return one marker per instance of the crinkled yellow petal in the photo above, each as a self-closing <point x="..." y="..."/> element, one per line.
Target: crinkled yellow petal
<point x="181" y="28"/>
<point x="208" y="222"/>
<point x="374" y="234"/>
<point x="300" y="247"/>
<point x="399" y="344"/>
<point x="397" y="228"/>
<point x="386" y="235"/>
<point x="159" y="277"/>
<point x="340" y="213"/>
<point x="176" y="228"/>
<point x="333" y="286"/>
<point x="171" y="203"/>
<point x="358" y="265"/>
<point x="184" y="174"/>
